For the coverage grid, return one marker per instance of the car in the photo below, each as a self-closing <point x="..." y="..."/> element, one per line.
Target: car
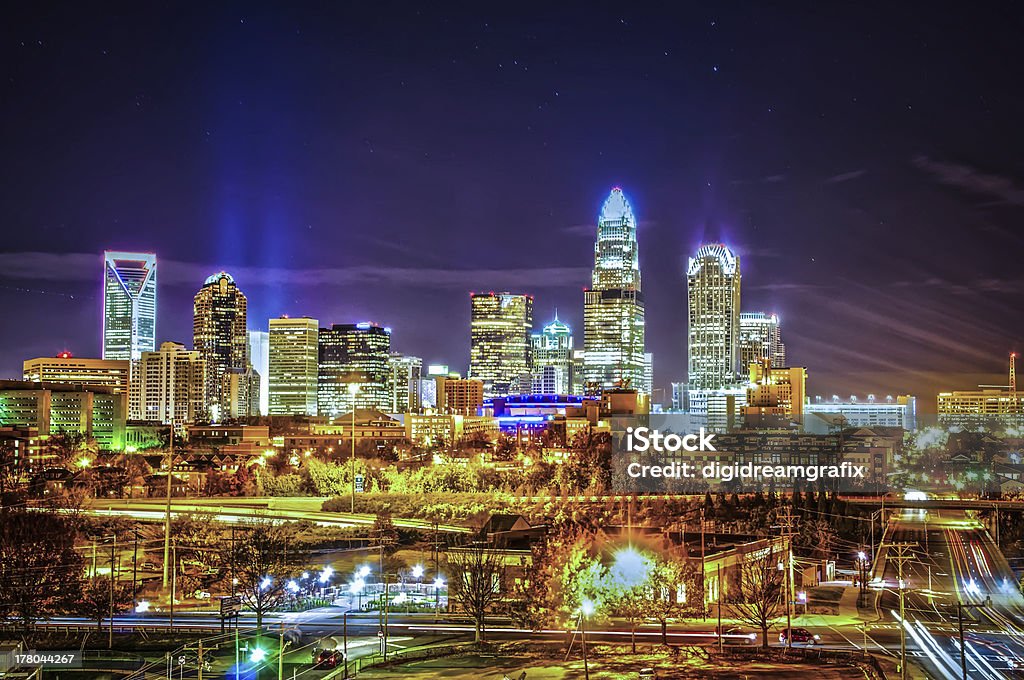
<point x="202" y="595"/>
<point x="738" y="636"/>
<point x="800" y="636"/>
<point x="328" y="658"/>
<point x="647" y="674"/>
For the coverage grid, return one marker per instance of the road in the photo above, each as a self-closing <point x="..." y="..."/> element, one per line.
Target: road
<point x="952" y="559"/>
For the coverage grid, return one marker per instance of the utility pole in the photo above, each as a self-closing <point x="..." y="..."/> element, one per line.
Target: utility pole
<point x="110" y="613"/>
<point x="280" y="654"/>
<point x="353" y="389"/>
<point x="787" y="533"/>
<point x="904" y="554"/>
<point x="135" y="566"/>
<point x="960" y="607"/>
<point x="167" y="509"/>
<point x="174" y="577"/>
<point x="704" y="597"/>
<point x="721" y="640"/>
<point x="387" y="601"/>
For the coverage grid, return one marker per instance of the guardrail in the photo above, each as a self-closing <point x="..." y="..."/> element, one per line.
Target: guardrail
<point x="359" y="664"/>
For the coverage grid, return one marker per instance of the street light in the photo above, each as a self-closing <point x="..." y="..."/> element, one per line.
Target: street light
<point x="438" y="584"/>
<point x="356" y="588"/>
<point x="353" y="389"/>
<point x="586" y="609"/>
<point x="631" y="567"/>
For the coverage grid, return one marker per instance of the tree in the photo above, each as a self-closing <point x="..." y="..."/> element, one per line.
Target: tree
<point x="197" y="538"/>
<point x="39" y="566"/>
<point x="816" y="537"/>
<point x="95" y="602"/>
<point x="69" y="446"/>
<point x="263" y="563"/>
<point x="11" y="470"/>
<point x="759" y="600"/>
<point x="588" y="465"/>
<point x="475" y="580"/>
<point x="632" y="605"/>
<point x="673" y="588"/>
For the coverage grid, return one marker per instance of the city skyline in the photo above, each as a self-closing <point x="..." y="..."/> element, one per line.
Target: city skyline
<point x="868" y="215"/>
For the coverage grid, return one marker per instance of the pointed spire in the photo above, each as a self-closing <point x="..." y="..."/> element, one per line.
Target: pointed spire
<point x="616" y="207"/>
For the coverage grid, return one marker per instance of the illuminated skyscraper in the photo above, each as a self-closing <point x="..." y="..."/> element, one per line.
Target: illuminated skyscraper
<point x="292" y="366"/>
<point x="499" y="351"/>
<point x="613" y="307"/>
<point x="168" y="386"/>
<point x="552" y="359"/>
<point x="353" y="354"/>
<point x="404" y="375"/>
<point x="220" y="336"/>
<point x="259" y="358"/>
<point x="713" y="293"/>
<point x="129" y="304"/>
<point x="760" y="339"/>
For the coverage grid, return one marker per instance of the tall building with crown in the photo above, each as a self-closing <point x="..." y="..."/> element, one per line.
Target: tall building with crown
<point x="613" y="306"/>
<point x="552" y="359"/>
<point x="129" y="304"/>
<point x="220" y="335"/>
<point x="713" y="341"/>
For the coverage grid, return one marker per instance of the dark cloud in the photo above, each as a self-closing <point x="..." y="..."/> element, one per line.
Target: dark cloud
<point x="845" y="177"/>
<point x="970" y="179"/>
<point x="83" y="267"/>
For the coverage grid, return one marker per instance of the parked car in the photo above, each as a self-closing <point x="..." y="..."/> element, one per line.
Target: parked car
<point x="647" y="674"/>
<point x="800" y="636"/>
<point x="201" y="595"/>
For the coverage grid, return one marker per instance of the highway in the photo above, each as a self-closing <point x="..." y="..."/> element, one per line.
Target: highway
<point x="236" y="510"/>
<point x="951" y="559"/>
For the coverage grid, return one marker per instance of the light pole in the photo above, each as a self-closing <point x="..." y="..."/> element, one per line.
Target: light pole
<point x="586" y="609"/>
<point x="167" y="510"/>
<point x="353" y="389"/>
<point x="960" y="625"/>
<point x="862" y="563"/>
<point x="438" y="584"/>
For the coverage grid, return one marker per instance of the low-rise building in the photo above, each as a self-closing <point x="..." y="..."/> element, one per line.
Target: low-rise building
<point x="66" y="368"/>
<point x="900" y="411"/>
<point x="95" y="412"/>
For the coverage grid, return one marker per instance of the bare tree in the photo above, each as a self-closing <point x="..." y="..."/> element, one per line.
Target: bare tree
<point x="263" y="563"/>
<point x="632" y="605"/>
<point x="475" y="580"/>
<point x="759" y="600"/>
<point x="39" y="567"/>
<point x="674" y="589"/>
<point x="97" y="596"/>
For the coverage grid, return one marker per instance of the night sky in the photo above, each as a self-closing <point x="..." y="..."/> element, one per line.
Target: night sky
<point x="377" y="161"/>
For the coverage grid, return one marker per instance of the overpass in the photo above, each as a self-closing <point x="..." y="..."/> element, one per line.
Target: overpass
<point x="935" y="503"/>
<point x="236" y="510"/>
